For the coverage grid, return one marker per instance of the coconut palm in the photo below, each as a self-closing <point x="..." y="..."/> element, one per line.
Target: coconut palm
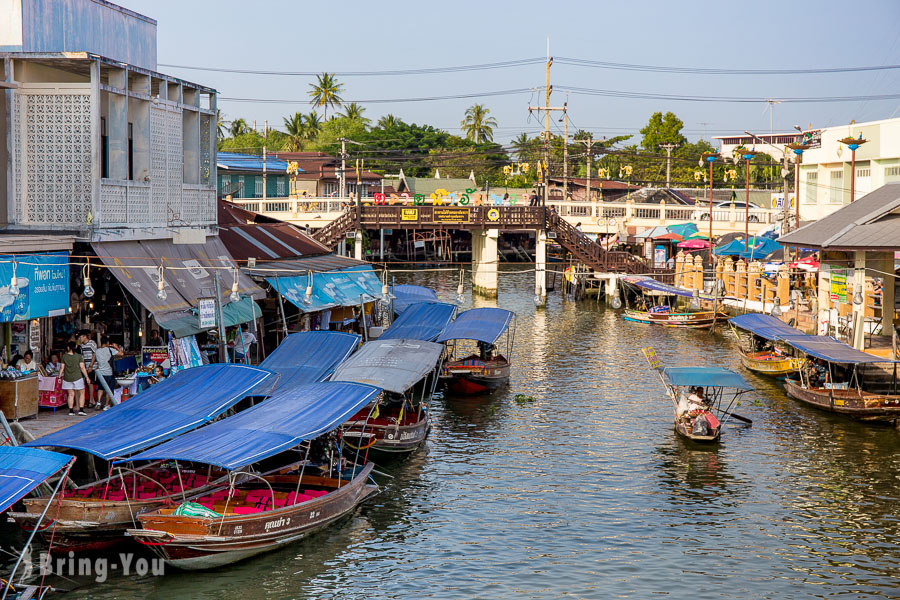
<point x="477" y="125"/>
<point x="312" y="124"/>
<point x="238" y="127"/>
<point x="521" y="146"/>
<point x="353" y="112"/>
<point x="220" y="123"/>
<point x="388" y="122"/>
<point x="296" y="130"/>
<point x="326" y="92"/>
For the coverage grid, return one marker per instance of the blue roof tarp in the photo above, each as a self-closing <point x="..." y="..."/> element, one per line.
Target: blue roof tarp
<point x="829" y="349"/>
<point x="274" y="425"/>
<point x="308" y="357"/>
<point x="760" y="247"/>
<point x="392" y="365"/>
<point x="421" y="321"/>
<point x="235" y="161"/>
<point x="480" y="324"/>
<point x="706" y="377"/>
<point x="23" y="469"/>
<point x="346" y="287"/>
<point x="765" y="326"/>
<point x="405" y="295"/>
<point x="184" y="401"/>
<point x="651" y="284"/>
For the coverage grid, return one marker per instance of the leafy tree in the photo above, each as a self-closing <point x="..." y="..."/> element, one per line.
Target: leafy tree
<point x="330" y="132"/>
<point x="477" y="125"/>
<point x="326" y="92"/>
<point x="662" y="129"/>
<point x="296" y="131"/>
<point x="312" y="125"/>
<point x="252" y="142"/>
<point x="220" y="123"/>
<point x="403" y="146"/>
<point x="238" y="127"/>
<point x="388" y="121"/>
<point x="354" y="112"/>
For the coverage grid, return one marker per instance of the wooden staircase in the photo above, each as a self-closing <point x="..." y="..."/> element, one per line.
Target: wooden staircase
<point x="334" y="232"/>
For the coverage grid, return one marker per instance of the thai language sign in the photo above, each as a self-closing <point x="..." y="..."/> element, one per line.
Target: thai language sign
<point x="41" y="286"/>
<point x="838" y="292"/>
<point x="450" y="215"/>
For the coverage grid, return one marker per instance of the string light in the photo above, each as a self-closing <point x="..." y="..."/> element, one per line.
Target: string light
<point x="14" y="284"/>
<point x="235" y="295"/>
<point x="161" y="286"/>
<point x="307" y="298"/>
<point x="86" y="275"/>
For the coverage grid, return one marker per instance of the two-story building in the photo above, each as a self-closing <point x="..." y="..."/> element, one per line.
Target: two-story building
<point x="251" y="176"/>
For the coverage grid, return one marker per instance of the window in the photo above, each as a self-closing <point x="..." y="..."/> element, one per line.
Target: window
<point x="131" y="151"/>
<point x="892" y="172"/>
<point x="837" y="176"/>
<point x="257" y="187"/>
<point x="242" y="191"/>
<point x="837" y="187"/>
<point x="811" y="191"/>
<point x="866" y="172"/>
<point x="279" y="187"/>
<point x="330" y="189"/>
<point x="104" y="149"/>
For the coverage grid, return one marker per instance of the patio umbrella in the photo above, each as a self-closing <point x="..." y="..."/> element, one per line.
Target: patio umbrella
<point x="668" y="236"/>
<point x="693" y="244"/>
<point x="697" y="236"/>
<point x="684" y="229"/>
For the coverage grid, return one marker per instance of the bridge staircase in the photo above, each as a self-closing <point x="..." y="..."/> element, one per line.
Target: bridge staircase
<point x="334" y="232"/>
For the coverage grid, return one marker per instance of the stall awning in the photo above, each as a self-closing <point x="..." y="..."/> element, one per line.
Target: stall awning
<point x="233" y="313"/>
<point x="309" y="356"/>
<point x="393" y="365"/>
<point x="706" y="377"/>
<point x="272" y="426"/>
<point x="422" y="321"/>
<point x="346" y="287"/>
<point x="480" y="324"/>
<point x="831" y="350"/>
<point x="23" y="469"/>
<point x="655" y="286"/>
<point x="765" y="326"/>
<point x="405" y="295"/>
<point x="178" y="404"/>
<point x="136" y="265"/>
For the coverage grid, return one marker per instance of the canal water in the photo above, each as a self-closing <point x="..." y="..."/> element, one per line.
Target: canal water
<point x="588" y="493"/>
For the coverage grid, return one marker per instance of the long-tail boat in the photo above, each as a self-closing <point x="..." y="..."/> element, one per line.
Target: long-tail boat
<point x="254" y="513"/>
<point x="96" y="514"/>
<point x="657" y="306"/>
<point x="307" y="357"/>
<point x="407" y="370"/>
<point x="702" y="397"/>
<point x="485" y="369"/>
<point x="405" y="295"/>
<point x="840" y="379"/>
<point x="759" y="347"/>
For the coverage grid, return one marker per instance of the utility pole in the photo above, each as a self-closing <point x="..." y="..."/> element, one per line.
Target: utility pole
<point x="565" y="152"/>
<point x="589" y="143"/>
<point x="668" y="148"/>
<point x="547" y="108"/>
<point x="264" y="174"/>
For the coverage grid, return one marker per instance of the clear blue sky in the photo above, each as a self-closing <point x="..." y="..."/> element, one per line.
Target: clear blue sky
<point x="332" y="36"/>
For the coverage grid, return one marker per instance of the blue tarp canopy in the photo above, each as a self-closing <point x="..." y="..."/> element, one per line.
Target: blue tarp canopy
<point x="421" y="321"/>
<point x="656" y="286"/>
<point x="308" y="357"/>
<point x="706" y="377"/>
<point x="480" y="324"/>
<point x="23" y="469"/>
<point x="829" y="349"/>
<point x="765" y="326"/>
<point x="760" y="247"/>
<point x="405" y="295"/>
<point x="392" y="365"/>
<point x="682" y="229"/>
<point x="178" y="404"/>
<point x="277" y="424"/>
<point x="345" y="287"/>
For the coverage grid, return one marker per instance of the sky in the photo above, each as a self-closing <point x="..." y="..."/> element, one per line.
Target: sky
<point x="296" y="36"/>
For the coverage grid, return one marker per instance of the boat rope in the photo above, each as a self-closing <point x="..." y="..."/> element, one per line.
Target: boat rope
<point x="59" y="500"/>
<point x="105" y="491"/>
<point x="128" y="502"/>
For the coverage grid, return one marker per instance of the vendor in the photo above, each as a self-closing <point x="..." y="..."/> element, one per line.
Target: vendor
<point x="27" y="363"/>
<point x="53" y="366"/>
<point x="155" y="339"/>
<point x="158" y="375"/>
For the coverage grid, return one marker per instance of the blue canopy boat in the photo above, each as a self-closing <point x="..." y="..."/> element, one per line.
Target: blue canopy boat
<point x="484" y="370"/>
<point x="759" y="351"/>
<point x="95" y="515"/>
<point x="702" y="397"/>
<point x="307" y="357"/>
<point x="255" y="513"/>
<point x="406" y="295"/>
<point x="650" y="310"/>
<point x="423" y="321"/>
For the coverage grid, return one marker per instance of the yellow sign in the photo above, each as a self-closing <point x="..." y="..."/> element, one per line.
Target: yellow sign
<point x="409" y="214"/>
<point x="451" y="215"/>
<point x="652" y="357"/>
<point x="493" y="214"/>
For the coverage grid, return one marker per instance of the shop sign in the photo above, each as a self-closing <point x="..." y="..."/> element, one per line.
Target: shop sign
<point x="154" y="355"/>
<point x="838" y="292"/>
<point x="42" y="286"/>
<point x="451" y="215"/>
<point x="206" y="308"/>
<point x="409" y="214"/>
<point x="34" y="339"/>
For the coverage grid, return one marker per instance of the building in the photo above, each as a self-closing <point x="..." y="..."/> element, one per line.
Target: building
<point x="319" y="175"/>
<point x="825" y="171"/>
<point x="607" y="190"/>
<point x="429" y="185"/>
<point x="771" y="143"/>
<point x="251" y="176"/>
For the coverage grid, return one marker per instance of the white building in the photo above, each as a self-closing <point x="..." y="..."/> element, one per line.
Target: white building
<point x="825" y="170"/>
<point x="93" y="140"/>
<point x="771" y="143"/>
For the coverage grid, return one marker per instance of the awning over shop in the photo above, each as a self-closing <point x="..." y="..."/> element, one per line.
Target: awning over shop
<point x="233" y="313"/>
<point x="347" y="287"/>
<point x="309" y="356"/>
<point x="422" y="321"/>
<point x="42" y="286"/>
<point x="23" y="469"/>
<point x="393" y="365"/>
<point x="188" y="277"/>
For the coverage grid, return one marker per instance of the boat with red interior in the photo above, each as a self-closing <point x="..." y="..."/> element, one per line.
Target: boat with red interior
<point x="474" y="364"/>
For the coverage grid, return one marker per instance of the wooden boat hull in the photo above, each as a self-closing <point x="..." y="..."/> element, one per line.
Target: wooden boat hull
<point x="389" y="439"/>
<point x="866" y="406"/>
<point x="194" y="543"/>
<point x="682" y="429"/>
<point x="765" y="363"/>
<point x="468" y="381"/>
<point x="698" y="319"/>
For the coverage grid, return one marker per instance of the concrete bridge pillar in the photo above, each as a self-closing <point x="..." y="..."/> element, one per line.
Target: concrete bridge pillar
<point x="540" y="267"/>
<point x="484" y="261"/>
<point x="358" y="246"/>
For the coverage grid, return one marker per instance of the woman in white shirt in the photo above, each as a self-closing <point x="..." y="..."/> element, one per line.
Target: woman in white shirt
<point x="28" y="363"/>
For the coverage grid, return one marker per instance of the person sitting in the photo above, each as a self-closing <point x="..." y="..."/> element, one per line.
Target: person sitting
<point x="155" y="339"/>
<point x="53" y="366"/>
<point x="158" y="375"/>
<point x="27" y="363"/>
<point x="696" y="400"/>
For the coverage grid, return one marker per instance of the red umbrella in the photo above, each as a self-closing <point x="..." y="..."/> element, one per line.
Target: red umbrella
<point x="694" y="244"/>
<point x="669" y="236"/>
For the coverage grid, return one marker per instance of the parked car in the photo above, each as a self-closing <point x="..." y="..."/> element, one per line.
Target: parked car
<point x="702" y="214"/>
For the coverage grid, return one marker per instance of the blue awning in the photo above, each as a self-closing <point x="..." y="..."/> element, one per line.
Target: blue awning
<point x="656" y="286"/>
<point x="392" y="365"/>
<point x="422" y="321"/>
<point x="23" y="469"/>
<point x="346" y="287"/>
<point x="308" y="357"/>
<point x="706" y="377"/>
<point x="831" y="350"/>
<point x="405" y="295"/>
<point x="480" y="324"/>
<point x="760" y="247"/>
<point x="178" y="404"/>
<point x="272" y="426"/>
<point x="765" y="326"/>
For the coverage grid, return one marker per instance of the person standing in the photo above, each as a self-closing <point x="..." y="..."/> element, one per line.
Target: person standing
<point x="88" y="347"/>
<point x="103" y="359"/>
<point x="74" y="375"/>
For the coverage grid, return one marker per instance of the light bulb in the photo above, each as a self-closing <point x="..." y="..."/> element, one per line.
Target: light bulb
<point x="776" y="309"/>
<point x="460" y="298"/>
<point x="858" y="297"/>
<point x="14" y="286"/>
<point x="161" y="286"/>
<point x="88" y="288"/>
<point x="307" y="298"/>
<point x="537" y="300"/>
<point x="161" y="294"/>
<point x="235" y="296"/>
<point x="384" y="291"/>
<point x="616" y="302"/>
<point x="140" y="332"/>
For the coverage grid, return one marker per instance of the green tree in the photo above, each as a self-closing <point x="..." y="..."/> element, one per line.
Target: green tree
<point x="312" y="125"/>
<point x="388" y="122"/>
<point x="404" y="146"/>
<point x="662" y="129"/>
<point x="326" y="92"/>
<point x="329" y="134"/>
<point x="220" y="123"/>
<point x="354" y="112"/>
<point x="296" y="131"/>
<point x="238" y="127"/>
<point x="477" y="126"/>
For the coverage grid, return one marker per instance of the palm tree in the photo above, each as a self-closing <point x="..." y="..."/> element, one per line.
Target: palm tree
<point x="521" y="145"/>
<point x="388" y="122"/>
<point x="353" y="112"/>
<point x="238" y="127"/>
<point x="477" y="125"/>
<point x="220" y="123"/>
<point x="296" y="130"/>
<point x="326" y="92"/>
<point x="312" y="125"/>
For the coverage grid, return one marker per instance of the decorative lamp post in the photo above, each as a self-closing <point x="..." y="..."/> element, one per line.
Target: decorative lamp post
<point x="853" y="143"/>
<point x="626" y="170"/>
<point x="797" y="148"/>
<point x="710" y="157"/>
<point x="748" y="155"/>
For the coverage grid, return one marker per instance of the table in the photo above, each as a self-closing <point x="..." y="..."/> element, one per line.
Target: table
<point x="19" y="397"/>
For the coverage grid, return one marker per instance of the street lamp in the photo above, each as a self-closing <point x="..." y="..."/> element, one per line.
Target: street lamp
<point x="797" y="148"/>
<point x="853" y="143"/>
<point x="748" y="155"/>
<point x="710" y="157"/>
<point x="626" y="170"/>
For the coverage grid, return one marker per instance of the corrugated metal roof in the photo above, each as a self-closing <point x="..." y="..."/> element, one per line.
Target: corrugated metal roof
<point x="300" y="266"/>
<point x="265" y="241"/>
<point x="233" y="161"/>
<point x="867" y="223"/>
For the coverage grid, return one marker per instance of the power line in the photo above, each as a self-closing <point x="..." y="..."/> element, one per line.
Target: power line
<point x="580" y="62"/>
<point x="738" y="99"/>
<point x="421" y="71"/>
<point x="384" y="100"/>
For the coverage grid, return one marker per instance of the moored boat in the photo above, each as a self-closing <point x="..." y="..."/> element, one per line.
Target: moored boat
<point x="759" y="347"/>
<point x="662" y="315"/>
<point x="254" y="513"/>
<point x="657" y="304"/>
<point x="486" y="369"/>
